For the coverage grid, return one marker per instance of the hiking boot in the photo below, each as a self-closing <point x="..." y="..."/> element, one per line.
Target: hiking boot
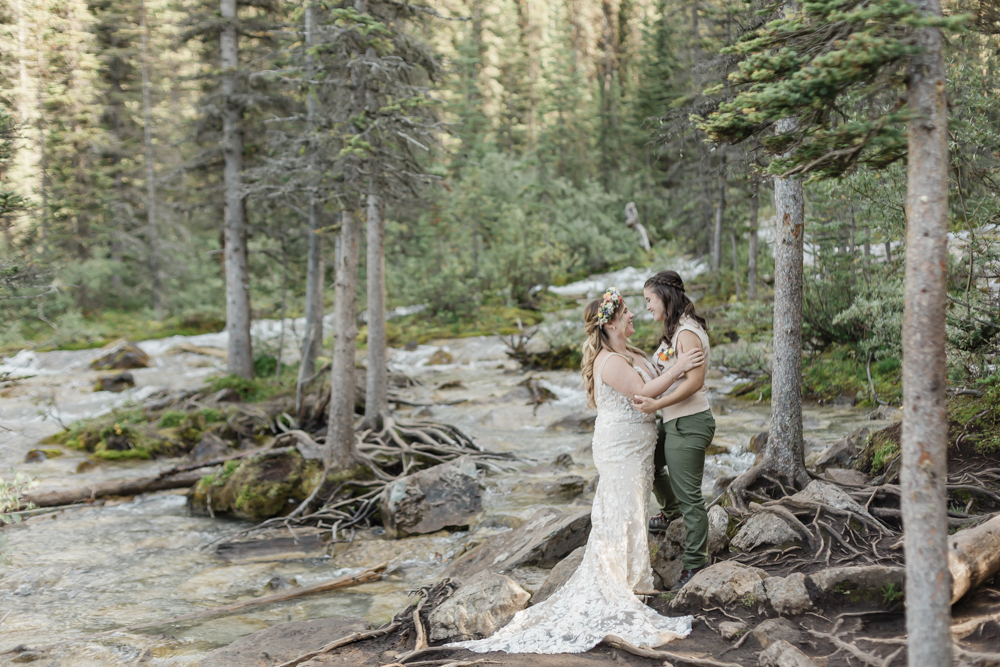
<point x="660" y="522"/>
<point x="685" y="577"/>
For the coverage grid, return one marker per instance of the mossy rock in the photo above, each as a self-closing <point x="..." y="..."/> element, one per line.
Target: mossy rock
<point x="879" y="454"/>
<point x="269" y="484"/>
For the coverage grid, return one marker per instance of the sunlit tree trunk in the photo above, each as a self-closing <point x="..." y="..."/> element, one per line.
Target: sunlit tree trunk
<point x="720" y="209"/>
<point x="340" y="432"/>
<point x="752" y="243"/>
<point x="240" y="354"/>
<point x="923" y="475"/>
<point x="151" y="232"/>
<point x="377" y="388"/>
<point x="784" y="454"/>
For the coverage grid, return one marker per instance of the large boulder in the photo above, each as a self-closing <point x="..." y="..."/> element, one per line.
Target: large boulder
<point x="268" y="484"/>
<point x="282" y="642"/>
<point x="444" y="496"/>
<point x="765" y="529"/>
<point x="559" y="575"/>
<point x="788" y="595"/>
<point x="122" y="356"/>
<point x="724" y="583"/>
<point x="482" y="605"/>
<point x="543" y="540"/>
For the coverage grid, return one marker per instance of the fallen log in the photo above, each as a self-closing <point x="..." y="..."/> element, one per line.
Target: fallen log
<point x="973" y="557"/>
<point x="371" y="574"/>
<point x="126" y="487"/>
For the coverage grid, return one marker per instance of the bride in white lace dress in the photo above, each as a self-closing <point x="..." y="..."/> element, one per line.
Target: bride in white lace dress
<point x="599" y="599"/>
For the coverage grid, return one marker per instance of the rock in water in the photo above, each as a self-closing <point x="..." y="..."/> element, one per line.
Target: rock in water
<point x="559" y="575"/>
<point x="567" y="486"/>
<point x="446" y="495"/>
<point x="122" y="356"/>
<point x="580" y="423"/>
<point x="282" y="642"/>
<point x="268" y="484"/>
<point x="115" y="383"/>
<point x="543" y="540"/>
<point x="480" y="607"/>
<point x="765" y="528"/>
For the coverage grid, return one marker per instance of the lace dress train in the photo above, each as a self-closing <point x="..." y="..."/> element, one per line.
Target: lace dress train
<point x="598" y="600"/>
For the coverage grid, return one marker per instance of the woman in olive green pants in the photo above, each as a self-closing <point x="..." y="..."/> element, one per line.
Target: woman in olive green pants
<point x="687" y="418"/>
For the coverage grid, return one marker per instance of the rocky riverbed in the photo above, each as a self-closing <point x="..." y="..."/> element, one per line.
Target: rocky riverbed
<point x="91" y="569"/>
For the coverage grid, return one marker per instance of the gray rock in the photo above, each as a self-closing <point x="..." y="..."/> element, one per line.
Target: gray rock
<point x="730" y="630"/>
<point x="666" y="561"/>
<point x="718" y="524"/>
<point x="723" y="584"/>
<point x="887" y="413"/>
<point x="446" y="495"/>
<point x="115" y="383"/>
<point x="765" y="529"/>
<point x="123" y="356"/>
<point x="872" y="577"/>
<point x="788" y="595"/>
<point x="282" y="642"/>
<point x="758" y="442"/>
<point x="846" y="476"/>
<point x="24" y="590"/>
<point x="563" y="461"/>
<point x="480" y="607"/>
<point x="776" y="629"/>
<point x="840" y="453"/>
<point x="211" y="446"/>
<point x="567" y="486"/>
<point x="581" y="423"/>
<point x="543" y="540"/>
<point x="559" y="575"/>
<point x="829" y="495"/>
<point x="782" y="654"/>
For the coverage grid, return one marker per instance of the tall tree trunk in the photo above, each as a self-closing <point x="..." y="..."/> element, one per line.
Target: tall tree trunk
<point x="340" y="433"/>
<point x="43" y="158"/>
<point x="784" y="454"/>
<point x="377" y="388"/>
<point x="752" y="242"/>
<point x="736" y="261"/>
<point x="923" y="475"/>
<point x="147" y="132"/>
<point x="608" y="123"/>
<point x="720" y="208"/>
<point x="240" y="357"/>
<point x="313" y="342"/>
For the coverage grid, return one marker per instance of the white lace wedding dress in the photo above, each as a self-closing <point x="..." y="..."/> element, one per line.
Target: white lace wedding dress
<point x="598" y="600"/>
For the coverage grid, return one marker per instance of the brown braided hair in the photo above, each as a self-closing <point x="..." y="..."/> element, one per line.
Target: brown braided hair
<point x="670" y="288"/>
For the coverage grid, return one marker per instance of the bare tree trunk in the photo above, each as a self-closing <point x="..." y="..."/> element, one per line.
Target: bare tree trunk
<point x="240" y="359"/>
<point x="925" y="424"/>
<point x="736" y="261"/>
<point x="313" y="342"/>
<point x="784" y="453"/>
<point x="340" y="433"/>
<point x="752" y="243"/>
<point x="43" y="158"/>
<point x="154" y="239"/>
<point x="377" y="389"/>
<point x="720" y="208"/>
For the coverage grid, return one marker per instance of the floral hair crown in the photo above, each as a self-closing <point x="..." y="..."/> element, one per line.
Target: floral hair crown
<point x="610" y="304"/>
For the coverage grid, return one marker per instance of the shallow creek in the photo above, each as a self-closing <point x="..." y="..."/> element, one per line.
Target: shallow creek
<point x="92" y="569"/>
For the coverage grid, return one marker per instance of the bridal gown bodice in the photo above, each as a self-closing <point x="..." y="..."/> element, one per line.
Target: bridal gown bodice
<point x="599" y="599"/>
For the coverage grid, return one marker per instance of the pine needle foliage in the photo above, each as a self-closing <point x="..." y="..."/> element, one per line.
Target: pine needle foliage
<point x="840" y="67"/>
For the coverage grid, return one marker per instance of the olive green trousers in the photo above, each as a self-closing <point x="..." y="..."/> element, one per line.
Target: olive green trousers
<point x="680" y="448"/>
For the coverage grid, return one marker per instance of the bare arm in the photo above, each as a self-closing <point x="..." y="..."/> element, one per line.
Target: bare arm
<point x="693" y="381"/>
<point x="619" y="375"/>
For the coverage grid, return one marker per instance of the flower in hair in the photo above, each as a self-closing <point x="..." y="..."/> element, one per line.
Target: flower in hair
<point x="612" y="299"/>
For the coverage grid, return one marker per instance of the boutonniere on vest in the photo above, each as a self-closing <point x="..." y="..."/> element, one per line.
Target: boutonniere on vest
<point x="666" y="354"/>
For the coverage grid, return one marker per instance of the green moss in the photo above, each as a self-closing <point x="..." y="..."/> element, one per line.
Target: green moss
<point x="172" y="418"/>
<point x="749" y="600"/>
<point x="882" y="455"/>
<point x="140" y="453"/>
<point x="255" y="390"/>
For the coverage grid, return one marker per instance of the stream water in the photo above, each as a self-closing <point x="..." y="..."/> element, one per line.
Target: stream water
<point x="93" y="569"/>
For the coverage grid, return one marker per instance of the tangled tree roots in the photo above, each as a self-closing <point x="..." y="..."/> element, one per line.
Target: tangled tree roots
<point x="398" y="449"/>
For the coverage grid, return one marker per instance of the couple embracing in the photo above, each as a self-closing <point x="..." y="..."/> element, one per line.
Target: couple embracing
<point x="600" y="600"/>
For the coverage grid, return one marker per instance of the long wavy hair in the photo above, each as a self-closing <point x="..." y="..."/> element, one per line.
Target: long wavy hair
<point x="597" y="340"/>
<point x="670" y="288"/>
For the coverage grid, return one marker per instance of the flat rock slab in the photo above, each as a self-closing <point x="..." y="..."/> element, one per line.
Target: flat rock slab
<point x="723" y="584"/>
<point x="765" y="529"/>
<point x="559" y="575"/>
<point x="444" y="496"/>
<point x="282" y="642"/>
<point x="543" y="540"/>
